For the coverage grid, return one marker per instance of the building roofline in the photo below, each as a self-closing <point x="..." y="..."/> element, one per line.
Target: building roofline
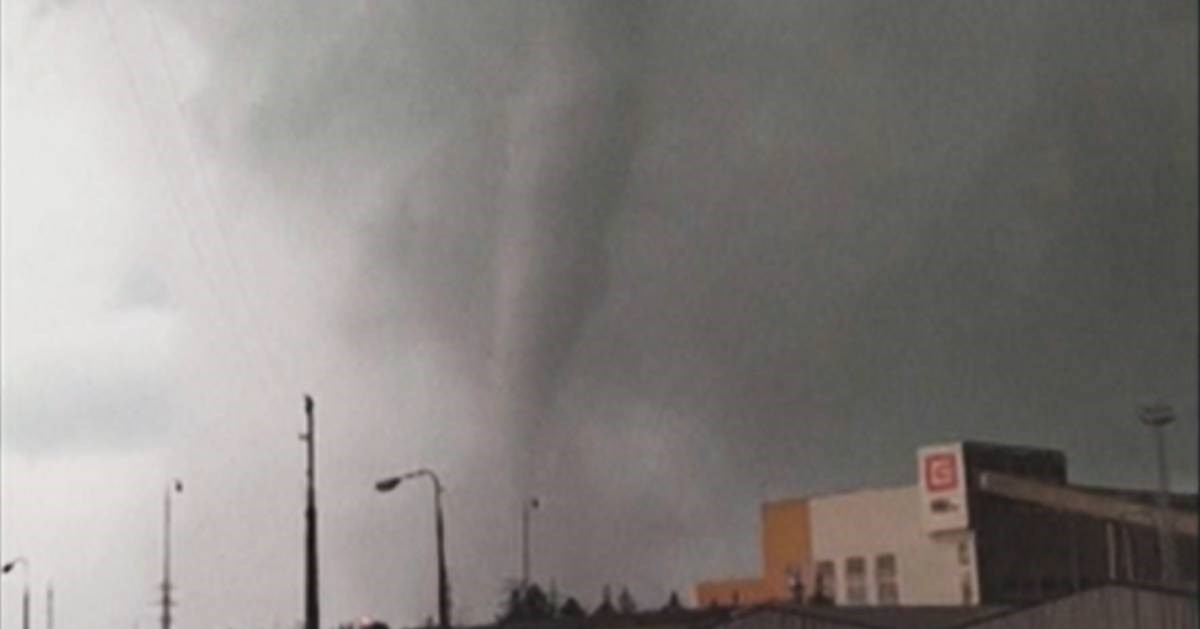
<point x="861" y="490"/>
<point x="791" y="610"/>
<point x="993" y="445"/>
<point x="1134" y="493"/>
<point x="690" y="617"/>
<point x="1118" y="583"/>
<point x="835" y="492"/>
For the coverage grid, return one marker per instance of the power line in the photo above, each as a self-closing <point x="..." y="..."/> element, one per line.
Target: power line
<point x="176" y="205"/>
<point x="202" y="176"/>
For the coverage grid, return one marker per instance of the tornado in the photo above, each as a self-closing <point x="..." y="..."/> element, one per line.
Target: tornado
<point x="571" y="133"/>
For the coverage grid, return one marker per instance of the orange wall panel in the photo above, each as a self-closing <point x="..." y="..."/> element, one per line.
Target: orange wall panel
<point x="786" y="548"/>
<point x="786" y="544"/>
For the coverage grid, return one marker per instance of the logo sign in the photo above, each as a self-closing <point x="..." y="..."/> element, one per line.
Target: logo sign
<point x="941" y="472"/>
<point x="942" y="487"/>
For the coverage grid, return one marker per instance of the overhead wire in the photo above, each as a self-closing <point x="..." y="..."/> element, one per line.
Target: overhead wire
<point x="176" y="204"/>
<point x="205" y="178"/>
<point x="178" y="212"/>
<point x="204" y="181"/>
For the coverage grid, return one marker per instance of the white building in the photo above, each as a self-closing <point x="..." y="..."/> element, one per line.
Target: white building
<point x="871" y="548"/>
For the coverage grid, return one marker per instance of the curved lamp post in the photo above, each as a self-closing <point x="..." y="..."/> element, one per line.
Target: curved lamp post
<point x="7" y="568"/>
<point x="388" y="484"/>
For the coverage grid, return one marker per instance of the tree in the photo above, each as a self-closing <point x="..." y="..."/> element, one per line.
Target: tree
<point x="606" y="606"/>
<point x="537" y="605"/>
<point x="512" y="610"/>
<point x="572" y="609"/>
<point x="625" y="602"/>
<point x="528" y="603"/>
<point x="673" y="604"/>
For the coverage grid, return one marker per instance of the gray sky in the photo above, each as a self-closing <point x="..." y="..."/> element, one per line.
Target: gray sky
<point x="652" y="262"/>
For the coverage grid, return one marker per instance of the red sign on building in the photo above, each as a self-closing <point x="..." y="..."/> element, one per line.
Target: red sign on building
<point x="941" y="472"/>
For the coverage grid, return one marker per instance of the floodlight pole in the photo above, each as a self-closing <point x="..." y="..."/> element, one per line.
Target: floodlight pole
<point x="1157" y="416"/>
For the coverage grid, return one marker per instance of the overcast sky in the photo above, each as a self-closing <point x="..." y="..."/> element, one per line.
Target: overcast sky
<point x="651" y="262"/>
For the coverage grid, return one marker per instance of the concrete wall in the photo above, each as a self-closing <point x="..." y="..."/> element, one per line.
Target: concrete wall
<point x="731" y="593"/>
<point x="873" y="522"/>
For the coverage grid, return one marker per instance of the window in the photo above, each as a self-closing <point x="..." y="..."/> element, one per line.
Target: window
<point x="826" y="586"/>
<point x="887" y="589"/>
<point x="856" y="581"/>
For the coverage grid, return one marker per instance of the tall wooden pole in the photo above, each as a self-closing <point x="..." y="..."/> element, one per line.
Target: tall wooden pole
<point x="312" y="608"/>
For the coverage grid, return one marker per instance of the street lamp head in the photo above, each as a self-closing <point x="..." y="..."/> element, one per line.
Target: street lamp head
<point x="387" y="484"/>
<point x="8" y="567"/>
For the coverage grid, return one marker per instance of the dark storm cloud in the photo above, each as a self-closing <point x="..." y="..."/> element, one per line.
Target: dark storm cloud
<point x="805" y="237"/>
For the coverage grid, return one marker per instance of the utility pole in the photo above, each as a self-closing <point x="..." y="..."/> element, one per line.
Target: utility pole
<point x="1157" y="416"/>
<point x="50" y="606"/>
<point x="526" y="507"/>
<point x="312" y="609"/>
<point x="166" y="602"/>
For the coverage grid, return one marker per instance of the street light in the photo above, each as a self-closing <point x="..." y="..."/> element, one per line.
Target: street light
<point x="7" y="568"/>
<point x="1157" y="416"/>
<point x="443" y="588"/>
<point x="526" y="508"/>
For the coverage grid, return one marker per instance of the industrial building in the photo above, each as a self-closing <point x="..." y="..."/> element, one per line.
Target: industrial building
<point x="985" y="524"/>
